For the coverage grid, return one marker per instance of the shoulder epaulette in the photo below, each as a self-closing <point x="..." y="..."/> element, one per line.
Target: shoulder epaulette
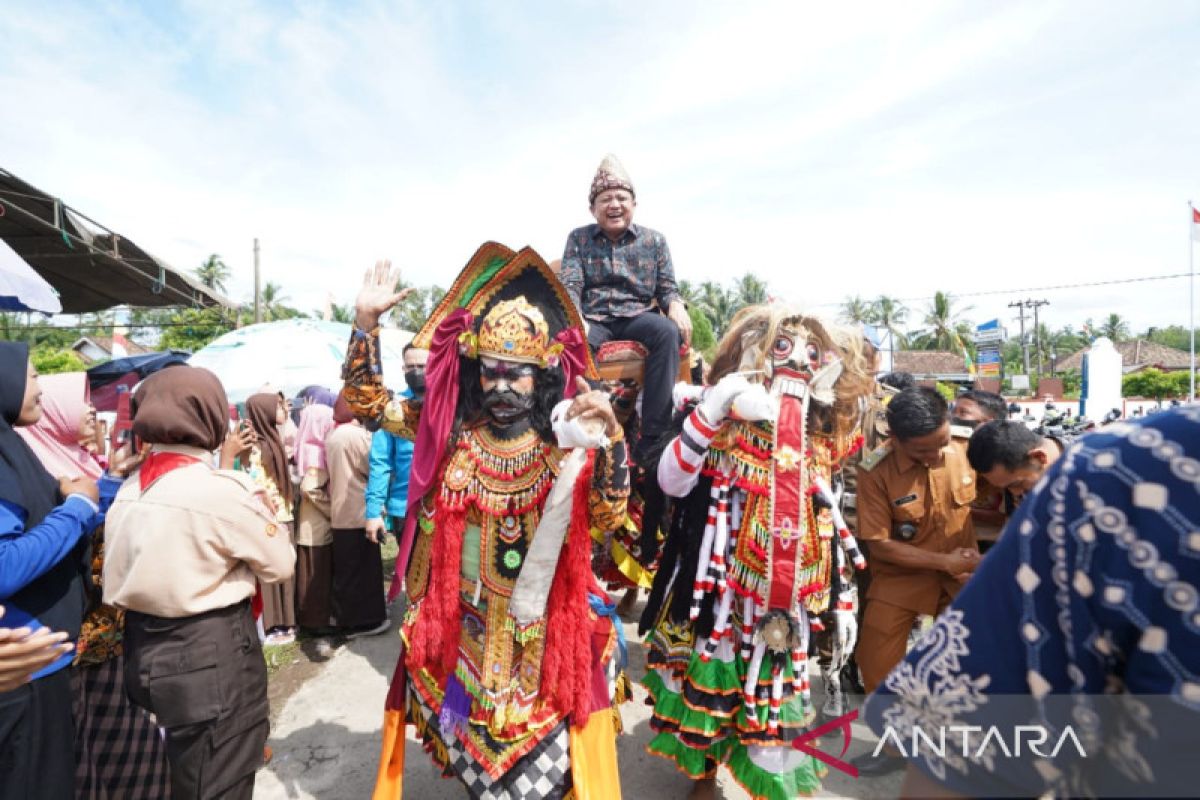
<point x="872" y="459"/>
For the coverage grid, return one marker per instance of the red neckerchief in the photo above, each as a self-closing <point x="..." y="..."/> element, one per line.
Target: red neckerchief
<point x="160" y="463"/>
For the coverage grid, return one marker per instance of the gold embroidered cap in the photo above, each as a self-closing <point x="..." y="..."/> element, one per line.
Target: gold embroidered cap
<point x="610" y="175"/>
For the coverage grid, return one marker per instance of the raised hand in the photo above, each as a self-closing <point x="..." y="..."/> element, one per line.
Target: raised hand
<point x="591" y="404"/>
<point x="378" y="295"/>
<point x="237" y="443"/>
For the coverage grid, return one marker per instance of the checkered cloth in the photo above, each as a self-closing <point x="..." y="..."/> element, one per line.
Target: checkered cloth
<point x="118" y="750"/>
<point x="544" y="773"/>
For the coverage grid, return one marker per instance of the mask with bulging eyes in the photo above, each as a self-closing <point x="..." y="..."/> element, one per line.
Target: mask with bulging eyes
<point x="794" y="354"/>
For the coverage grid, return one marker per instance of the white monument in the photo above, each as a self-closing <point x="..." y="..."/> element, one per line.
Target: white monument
<point x="1102" y="380"/>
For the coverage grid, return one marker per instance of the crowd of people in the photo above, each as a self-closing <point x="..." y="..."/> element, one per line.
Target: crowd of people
<point x="788" y="514"/>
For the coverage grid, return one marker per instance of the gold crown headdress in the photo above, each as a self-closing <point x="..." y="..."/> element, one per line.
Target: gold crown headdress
<point x="514" y="330"/>
<point x="521" y="309"/>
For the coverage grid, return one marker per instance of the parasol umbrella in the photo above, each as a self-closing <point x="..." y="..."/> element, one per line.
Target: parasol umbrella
<point x="22" y="289"/>
<point x="290" y="355"/>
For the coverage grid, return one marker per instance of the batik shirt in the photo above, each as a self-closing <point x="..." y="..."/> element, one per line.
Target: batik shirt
<point x="611" y="280"/>
<point x="1083" y="621"/>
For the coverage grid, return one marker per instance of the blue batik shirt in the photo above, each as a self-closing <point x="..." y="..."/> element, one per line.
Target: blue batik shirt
<point x="1083" y="623"/>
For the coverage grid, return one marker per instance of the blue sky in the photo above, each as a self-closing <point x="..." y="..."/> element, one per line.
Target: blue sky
<point x="865" y="149"/>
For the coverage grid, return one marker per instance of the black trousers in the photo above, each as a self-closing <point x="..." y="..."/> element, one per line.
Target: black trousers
<point x="660" y="336"/>
<point x="37" y="740"/>
<point x="205" y="680"/>
<point x="358" y="595"/>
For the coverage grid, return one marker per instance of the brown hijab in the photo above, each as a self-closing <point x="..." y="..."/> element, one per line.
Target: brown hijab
<point x="262" y="409"/>
<point x="181" y="405"/>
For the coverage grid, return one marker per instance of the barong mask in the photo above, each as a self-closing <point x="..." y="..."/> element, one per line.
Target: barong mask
<point x="796" y="356"/>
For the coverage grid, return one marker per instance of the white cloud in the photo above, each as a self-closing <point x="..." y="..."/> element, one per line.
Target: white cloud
<point x="832" y="148"/>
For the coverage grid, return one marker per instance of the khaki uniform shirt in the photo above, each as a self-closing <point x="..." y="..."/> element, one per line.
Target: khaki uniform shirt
<point x="193" y="541"/>
<point x="894" y="490"/>
<point x="347" y="457"/>
<point x="312" y="514"/>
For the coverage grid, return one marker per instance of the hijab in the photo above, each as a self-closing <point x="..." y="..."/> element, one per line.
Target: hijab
<point x="262" y="409"/>
<point x="24" y="482"/>
<point x="54" y="438"/>
<point x="181" y="405"/>
<point x="316" y="421"/>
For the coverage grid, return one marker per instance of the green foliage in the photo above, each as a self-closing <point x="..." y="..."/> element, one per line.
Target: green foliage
<point x="1115" y="327"/>
<point x="1072" y="382"/>
<point x="1155" y="383"/>
<point x="719" y="304"/>
<point x="415" y="309"/>
<point x="946" y="390"/>
<point x="213" y="273"/>
<point x="702" y="332"/>
<point x="1176" y="336"/>
<point x="856" y="311"/>
<point x="49" y="360"/>
<point x="944" y="327"/>
<point x="192" y="328"/>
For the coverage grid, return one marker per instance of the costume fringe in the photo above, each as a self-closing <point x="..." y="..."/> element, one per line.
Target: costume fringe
<point x="567" y="662"/>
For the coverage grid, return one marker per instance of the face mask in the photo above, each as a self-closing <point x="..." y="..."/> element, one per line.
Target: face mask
<point x="968" y="423"/>
<point x="415" y="380"/>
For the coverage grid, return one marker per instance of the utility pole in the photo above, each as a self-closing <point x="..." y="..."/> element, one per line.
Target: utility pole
<point x="1037" y="331"/>
<point x="257" y="287"/>
<point x="1020" y="306"/>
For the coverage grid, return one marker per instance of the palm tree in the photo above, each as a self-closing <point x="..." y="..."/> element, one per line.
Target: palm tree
<point x="890" y="314"/>
<point x="856" y="311"/>
<point x="749" y="290"/>
<point x="273" y="299"/>
<point x="945" y="329"/>
<point x="213" y="273"/>
<point x="717" y="304"/>
<point x="1115" y="327"/>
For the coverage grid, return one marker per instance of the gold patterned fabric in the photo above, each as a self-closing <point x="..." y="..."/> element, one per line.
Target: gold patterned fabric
<point x="100" y="634"/>
<point x="501" y="486"/>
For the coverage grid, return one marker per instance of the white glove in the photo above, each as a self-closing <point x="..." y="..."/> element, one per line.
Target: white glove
<point x="684" y="393"/>
<point x="755" y="404"/>
<point x="719" y="399"/>
<point x="578" y="432"/>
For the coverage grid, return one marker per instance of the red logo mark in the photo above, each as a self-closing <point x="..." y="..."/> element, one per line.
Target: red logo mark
<point x="801" y="743"/>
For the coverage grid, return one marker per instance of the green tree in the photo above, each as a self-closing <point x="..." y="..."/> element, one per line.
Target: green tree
<point x="1152" y="383"/>
<point x="890" y="314"/>
<point x="49" y="360"/>
<point x="749" y="290"/>
<point x="702" y="332"/>
<point x="1172" y="336"/>
<point x="192" y="328"/>
<point x="856" y="311"/>
<point x="718" y="304"/>
<point x="213" y="273"/>
<point x="274" y="303"/>
<point x="944" y="326"/>
<point x="1115" y="327"/>
<point x="413" y="312"/>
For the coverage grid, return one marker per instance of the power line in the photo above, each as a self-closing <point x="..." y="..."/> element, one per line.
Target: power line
<point x="1083" y="285"/>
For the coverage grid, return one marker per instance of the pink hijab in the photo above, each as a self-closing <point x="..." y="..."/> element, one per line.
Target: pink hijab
<point x="55" y="437"/>
<point x="316" y="421"/>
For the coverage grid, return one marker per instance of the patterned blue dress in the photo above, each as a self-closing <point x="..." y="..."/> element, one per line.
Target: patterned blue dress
<point x="1082" y="625"/>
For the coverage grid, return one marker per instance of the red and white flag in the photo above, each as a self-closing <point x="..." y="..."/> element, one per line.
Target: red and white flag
<point x="1195" y="223"/>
